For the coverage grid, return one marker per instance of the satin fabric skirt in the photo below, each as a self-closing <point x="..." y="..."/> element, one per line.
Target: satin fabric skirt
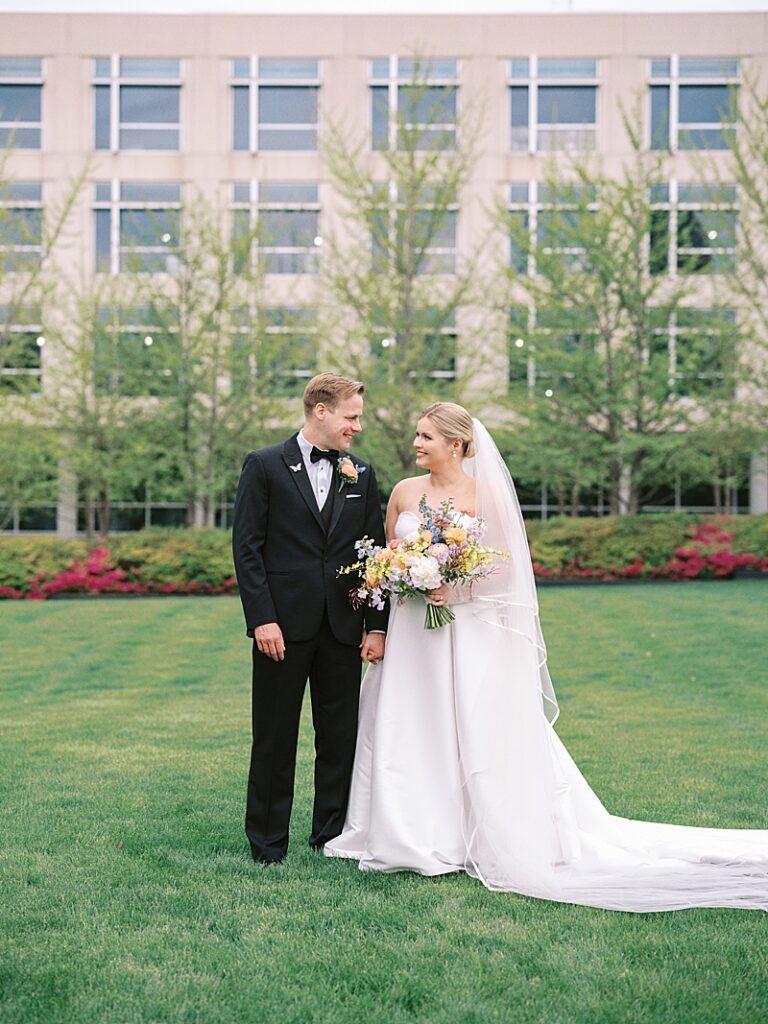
<point x="457" y="769"/>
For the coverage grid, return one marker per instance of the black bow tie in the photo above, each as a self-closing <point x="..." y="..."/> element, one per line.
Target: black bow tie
<point x="319" y="453"/>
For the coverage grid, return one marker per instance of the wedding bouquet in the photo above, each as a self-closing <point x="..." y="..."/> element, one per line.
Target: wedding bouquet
<point x="446" y="549"/>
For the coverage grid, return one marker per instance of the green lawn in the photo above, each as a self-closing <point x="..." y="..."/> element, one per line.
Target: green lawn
<point x="128" y="894"/>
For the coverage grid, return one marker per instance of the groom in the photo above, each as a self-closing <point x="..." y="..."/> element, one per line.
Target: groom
<point x="300" y="507"/>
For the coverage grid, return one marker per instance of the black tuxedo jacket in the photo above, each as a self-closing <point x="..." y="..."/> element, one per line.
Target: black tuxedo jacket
<point x="285" y="559"/>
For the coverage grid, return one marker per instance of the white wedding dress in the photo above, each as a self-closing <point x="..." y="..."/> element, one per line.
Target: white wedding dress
<point x="458" y="768"/>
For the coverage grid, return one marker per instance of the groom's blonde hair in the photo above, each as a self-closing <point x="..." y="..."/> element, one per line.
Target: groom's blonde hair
<point x="330" y="389"/>
<point x="454" y="423"/>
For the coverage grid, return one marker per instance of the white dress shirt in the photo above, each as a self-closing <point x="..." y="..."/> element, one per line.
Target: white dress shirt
<point x="320" y="473"/>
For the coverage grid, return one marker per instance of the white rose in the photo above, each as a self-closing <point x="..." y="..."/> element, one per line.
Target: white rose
<point x="469" y="522"/>
<point x="425" y="573"/>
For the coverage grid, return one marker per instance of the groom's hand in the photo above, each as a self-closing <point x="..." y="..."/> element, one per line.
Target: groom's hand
<point x="269" y="640"/>
<point x="372" y="647"/>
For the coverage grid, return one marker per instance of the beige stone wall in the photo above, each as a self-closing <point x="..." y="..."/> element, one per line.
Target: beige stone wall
<point x="344" y="44"/>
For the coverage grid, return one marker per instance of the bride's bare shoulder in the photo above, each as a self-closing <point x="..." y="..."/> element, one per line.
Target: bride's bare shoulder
<point x="409" y="485"/>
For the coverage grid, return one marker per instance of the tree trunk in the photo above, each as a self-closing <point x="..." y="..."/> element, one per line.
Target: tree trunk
<point x="634" y="483"/>
<point x="104" y="513"/>
<point x="575" y="499"/>
<point x="615" y="482"/>
<point x="88" y="510"/>
<point x="716" y="484"/>
<point x="561" y="502"/>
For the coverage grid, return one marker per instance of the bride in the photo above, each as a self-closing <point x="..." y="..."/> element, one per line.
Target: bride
<point x="458" y="766"/>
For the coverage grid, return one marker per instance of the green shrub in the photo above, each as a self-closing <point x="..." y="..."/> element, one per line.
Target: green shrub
<point x="169" y="555"/>
<point x="751" y="534"/>
<point x="200" y="561"/>
<point x="22" y="558"/>
<point x="560" y="543"/>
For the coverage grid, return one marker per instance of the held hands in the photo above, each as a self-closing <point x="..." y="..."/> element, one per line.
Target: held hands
<point x="372" y="647"/>
<point x="269" y="640"/>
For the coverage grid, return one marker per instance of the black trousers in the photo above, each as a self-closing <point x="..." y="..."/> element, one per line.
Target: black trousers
<point x="333" y="670"/>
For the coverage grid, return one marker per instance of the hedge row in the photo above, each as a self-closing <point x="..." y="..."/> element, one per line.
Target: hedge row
<point x="154" y="561"/>
<point x="171" y="561"/>
<point x="668" y="546"/>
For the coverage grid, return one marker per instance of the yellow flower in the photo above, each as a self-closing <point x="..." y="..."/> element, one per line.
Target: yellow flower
<point x="371" y="576"/>
<point x="407" y="558"/>
<point x="426" y="536"/>
<point x="455" y="535"/>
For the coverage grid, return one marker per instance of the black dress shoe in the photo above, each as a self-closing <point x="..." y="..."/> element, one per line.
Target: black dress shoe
<point x="260" y="858"/>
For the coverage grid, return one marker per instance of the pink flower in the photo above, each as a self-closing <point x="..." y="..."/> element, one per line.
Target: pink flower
<point x="439" y="551"/>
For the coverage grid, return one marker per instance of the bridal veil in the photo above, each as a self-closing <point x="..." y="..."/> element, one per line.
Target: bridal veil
<point x="531" y="822"/>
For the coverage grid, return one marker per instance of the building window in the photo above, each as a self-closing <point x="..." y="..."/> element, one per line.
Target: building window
<point x="547" y="350"/>
<point x="21" y="225"/>
<point x="520" y="207"/>
<point x="283" y="218"/>
<point x="693" y="228"/>
<point x="431" y="349"/>
<point x="21" y="101"/>
<point x="136" y="103"/>
<point x="522" y="365"/>
<point x="412" y="242"/>
<point x="289" y="348"/>
<point x="692" y="102"/>
<point x="136" y="226"/>
<point x="134" y="356"/>
<point x="699" y="347"/>
<point x="545" y="222"/>
<point x="274" y="104"/>
<point x="552" y="104"/>
<point x="414" y="104"/>
<point x="275" y="349"/>
<point x="21" y="350"/>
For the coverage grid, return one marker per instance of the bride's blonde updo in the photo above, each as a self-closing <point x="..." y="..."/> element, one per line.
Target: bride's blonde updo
<point x="454" y="423"/>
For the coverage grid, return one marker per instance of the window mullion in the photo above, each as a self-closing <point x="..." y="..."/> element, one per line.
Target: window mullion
<point x="253" y="104"/>
<point x="114" y="104"/>
<point x="673" y="221"/>
<point x="533" y="103"/>
<point x="114" y="227"/>
<point x="392" y="102"/>
<point x="674" y="102"/>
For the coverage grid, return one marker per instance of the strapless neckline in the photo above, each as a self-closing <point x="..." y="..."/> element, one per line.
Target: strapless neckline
<point x="402" y="531"/>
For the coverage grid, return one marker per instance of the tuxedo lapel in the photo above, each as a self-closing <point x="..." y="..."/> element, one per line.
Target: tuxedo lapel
<point x="292" y="458"/>
<point x="340" y="501"/>
<point x="337" y="507"/>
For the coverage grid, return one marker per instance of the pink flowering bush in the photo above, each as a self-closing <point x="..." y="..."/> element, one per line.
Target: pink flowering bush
<point x="647" y="547"/>
<point x="168" y="561"/>
<point x="151" y="562"/>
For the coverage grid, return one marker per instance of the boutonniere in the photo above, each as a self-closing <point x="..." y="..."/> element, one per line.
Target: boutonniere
<point x="296" y="468"/>
<point x="347" y="471"/>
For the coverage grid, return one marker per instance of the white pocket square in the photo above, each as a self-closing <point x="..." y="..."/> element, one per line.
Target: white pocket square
<point x="353" y="496"/>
